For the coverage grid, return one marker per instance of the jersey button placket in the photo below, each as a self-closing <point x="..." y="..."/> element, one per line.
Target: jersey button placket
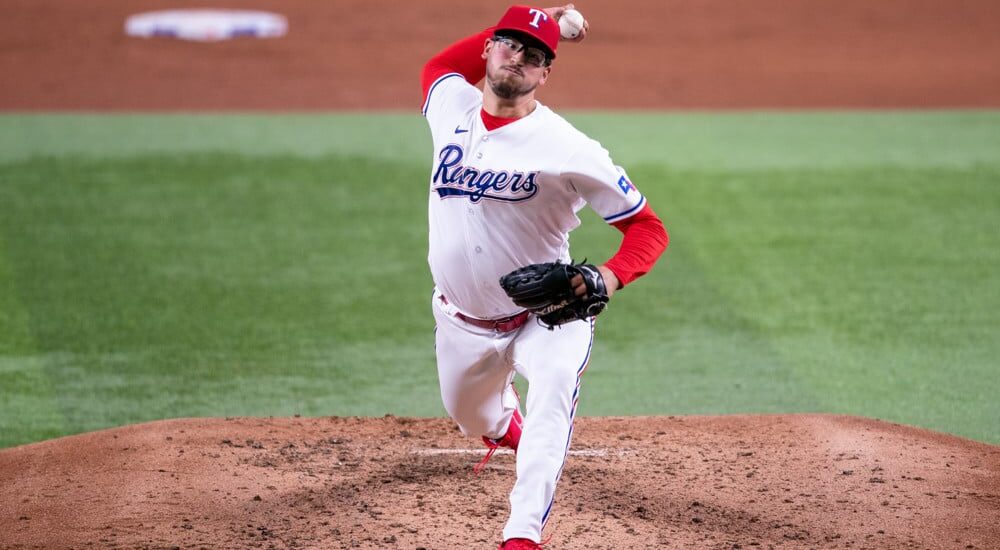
<point x="479" y="154"/>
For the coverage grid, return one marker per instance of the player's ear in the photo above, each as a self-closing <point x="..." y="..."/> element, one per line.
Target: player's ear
<point x="486" y="48"/>
<point x="545" y="74"/>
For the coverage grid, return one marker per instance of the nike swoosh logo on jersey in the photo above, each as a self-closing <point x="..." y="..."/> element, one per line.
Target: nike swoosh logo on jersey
<point x="459" y="130"/>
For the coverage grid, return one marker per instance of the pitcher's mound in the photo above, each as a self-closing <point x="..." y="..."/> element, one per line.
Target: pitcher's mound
<point x="799" y="481"/>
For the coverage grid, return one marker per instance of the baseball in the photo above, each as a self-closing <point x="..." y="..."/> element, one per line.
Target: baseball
<point x="570" y="24"/>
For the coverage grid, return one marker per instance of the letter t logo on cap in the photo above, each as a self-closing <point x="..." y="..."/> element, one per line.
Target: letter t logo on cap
<point x="533" y="22"/>
<point x="539" y="14"/>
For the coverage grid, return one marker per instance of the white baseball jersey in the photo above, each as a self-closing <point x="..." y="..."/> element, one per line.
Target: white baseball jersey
<point x="507" y="198"/>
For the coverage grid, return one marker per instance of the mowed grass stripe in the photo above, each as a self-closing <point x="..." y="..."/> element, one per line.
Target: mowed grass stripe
<point x="224" y="285"/>
<point x="840" y="291"/>
<point x="29" y="406"/>
<point x="877" y="289"/>
<point x="682" y="141"/>
<point x="216" y="283"/>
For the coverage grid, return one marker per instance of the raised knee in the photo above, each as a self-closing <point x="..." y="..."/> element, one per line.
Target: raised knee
<point x="470" y="420"/>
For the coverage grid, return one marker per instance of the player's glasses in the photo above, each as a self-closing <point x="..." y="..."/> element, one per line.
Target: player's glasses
<point x="532" y="56"/>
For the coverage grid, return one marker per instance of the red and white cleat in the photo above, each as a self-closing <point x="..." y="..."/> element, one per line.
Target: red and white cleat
<point x="509" y="440"/>
<point x="519" y="544"/>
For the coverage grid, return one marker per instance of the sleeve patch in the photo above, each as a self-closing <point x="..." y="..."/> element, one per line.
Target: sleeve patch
<point x="625" y="184"/>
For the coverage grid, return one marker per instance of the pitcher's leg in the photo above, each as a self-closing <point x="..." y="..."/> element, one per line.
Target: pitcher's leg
<point x="474" y="377"/>
<point x="552" y="362"/>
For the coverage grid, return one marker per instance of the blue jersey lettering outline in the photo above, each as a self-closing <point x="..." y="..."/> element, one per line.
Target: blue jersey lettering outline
<point x="452" y="179"/>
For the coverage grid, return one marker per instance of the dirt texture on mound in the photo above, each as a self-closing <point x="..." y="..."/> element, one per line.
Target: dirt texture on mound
<point x="793" y="481"/>
<point x="349" y="54"/>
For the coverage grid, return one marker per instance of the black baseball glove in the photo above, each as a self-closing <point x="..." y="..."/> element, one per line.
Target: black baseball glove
<point x="545" y="290"/>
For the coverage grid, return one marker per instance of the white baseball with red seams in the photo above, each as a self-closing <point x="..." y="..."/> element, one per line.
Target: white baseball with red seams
<point x="570" y="24"/>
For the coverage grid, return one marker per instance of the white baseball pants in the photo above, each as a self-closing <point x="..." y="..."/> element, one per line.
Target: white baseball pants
<point x="475" y="370"/>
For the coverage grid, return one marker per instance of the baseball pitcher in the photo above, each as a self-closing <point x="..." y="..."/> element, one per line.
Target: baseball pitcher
<point x="508" y="177"/>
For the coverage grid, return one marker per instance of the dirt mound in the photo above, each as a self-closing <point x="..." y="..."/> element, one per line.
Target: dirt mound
<point x="813" y="481"/>
<point x="646" y="54"/>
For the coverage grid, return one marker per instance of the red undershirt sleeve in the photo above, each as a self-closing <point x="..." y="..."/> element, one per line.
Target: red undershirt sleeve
<point x="644" y="240"/>
<point x="464" y="57"/>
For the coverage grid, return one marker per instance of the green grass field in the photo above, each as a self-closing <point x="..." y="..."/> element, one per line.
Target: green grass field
<point x="158" y="266"/>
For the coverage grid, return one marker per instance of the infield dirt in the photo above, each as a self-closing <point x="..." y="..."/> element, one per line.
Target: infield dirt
<point x="795" y="481"/>
<point x="799" y="481"/>
<point x="352" y="54"/>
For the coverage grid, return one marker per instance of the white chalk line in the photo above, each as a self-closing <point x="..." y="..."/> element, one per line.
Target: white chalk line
<point x="572" y="452"/>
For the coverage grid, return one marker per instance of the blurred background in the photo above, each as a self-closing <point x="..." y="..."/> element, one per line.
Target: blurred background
<point x="642" y="54"/>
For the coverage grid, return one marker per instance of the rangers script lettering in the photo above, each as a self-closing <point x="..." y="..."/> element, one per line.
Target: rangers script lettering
<point x="452" y="179"/>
